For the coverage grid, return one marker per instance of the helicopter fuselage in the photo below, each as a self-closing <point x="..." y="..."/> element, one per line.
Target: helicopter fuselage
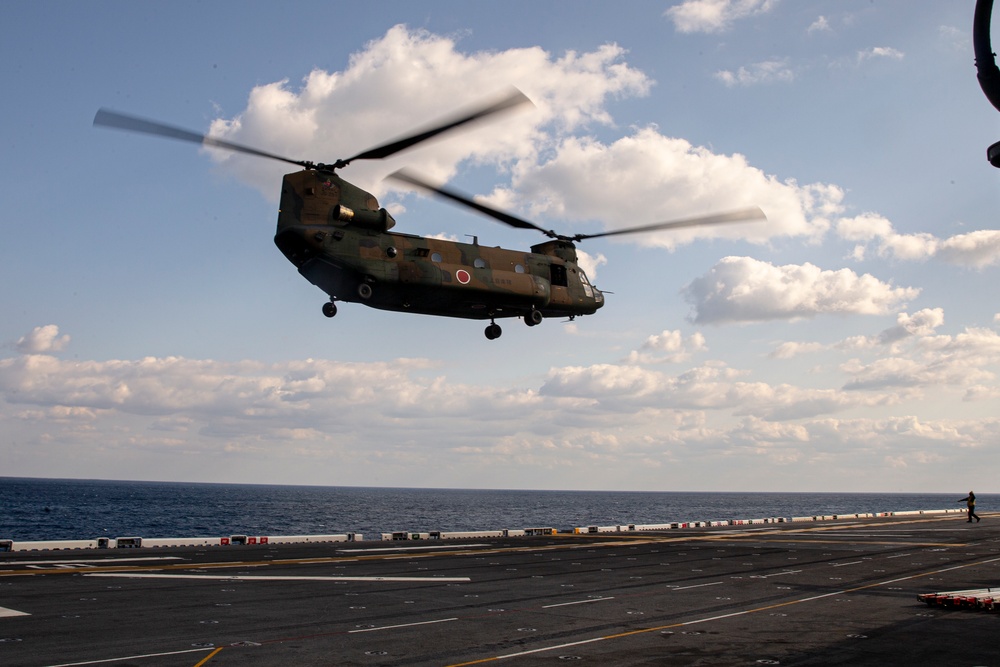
<point x="339" y="239"/>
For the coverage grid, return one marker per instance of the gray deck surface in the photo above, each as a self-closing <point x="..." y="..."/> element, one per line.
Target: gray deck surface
<point x="828" y="593"/>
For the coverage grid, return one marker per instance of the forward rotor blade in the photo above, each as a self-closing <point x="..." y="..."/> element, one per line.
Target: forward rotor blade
<point x="113" y="119"/>
<point x="512" y="99"/>
<point x="742" y="215"/>
<point x="459" y="198"/>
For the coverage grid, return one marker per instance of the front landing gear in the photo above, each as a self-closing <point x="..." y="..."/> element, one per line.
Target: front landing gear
<point x="329" y="309"/>
<point x="493" y="331"/>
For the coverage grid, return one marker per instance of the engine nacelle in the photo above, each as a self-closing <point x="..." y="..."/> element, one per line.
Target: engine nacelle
<point x="379" y="220"/>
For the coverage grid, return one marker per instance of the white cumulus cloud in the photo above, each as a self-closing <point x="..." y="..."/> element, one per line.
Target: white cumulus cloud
<point x="687" y="180"/>
<point x="767" y="71"/>
<point x="668" y="347"/>
<point x="977" y="249"/>
<point x="41" y="340"/>
<point x="880" y="52"/>
<point x="338" y="114"/>
<point x="715" y="15"/>
<point x="380" y="421"/>
<point x="821" y="24"/>
<point x="743" y="289"/>
<point x="556" y="168"/>
<point x="923" y="323"/>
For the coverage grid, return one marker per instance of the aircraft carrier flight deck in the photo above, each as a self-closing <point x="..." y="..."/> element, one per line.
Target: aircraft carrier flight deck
<point x="833" y="592"/>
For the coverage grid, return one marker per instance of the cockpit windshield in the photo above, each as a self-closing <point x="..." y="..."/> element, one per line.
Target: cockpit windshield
<point x="587" y="289"/>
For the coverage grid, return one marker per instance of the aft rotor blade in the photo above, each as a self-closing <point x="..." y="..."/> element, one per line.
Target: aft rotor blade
<point x="511" y="100"/>
<point x="457" y="197"/>
<point x="742" y="215"/>
<point x="106" y="118"/>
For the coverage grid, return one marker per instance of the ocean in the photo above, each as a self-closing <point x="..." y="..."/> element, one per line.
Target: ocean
<point x="68" y="509"/>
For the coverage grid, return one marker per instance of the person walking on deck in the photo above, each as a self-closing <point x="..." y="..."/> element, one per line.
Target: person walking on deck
<point x="970" y="502"/>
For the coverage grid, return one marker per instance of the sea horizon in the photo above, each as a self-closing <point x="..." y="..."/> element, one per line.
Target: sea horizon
<point x="33" y="508"/>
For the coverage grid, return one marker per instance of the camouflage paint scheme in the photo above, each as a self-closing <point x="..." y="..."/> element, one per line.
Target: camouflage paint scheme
<point x="339" y="239"/>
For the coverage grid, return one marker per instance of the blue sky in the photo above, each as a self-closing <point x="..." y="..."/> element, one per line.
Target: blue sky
<point x="153" y="331"/>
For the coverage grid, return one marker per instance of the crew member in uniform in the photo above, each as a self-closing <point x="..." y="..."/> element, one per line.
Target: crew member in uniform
<point x="970" y="502"/>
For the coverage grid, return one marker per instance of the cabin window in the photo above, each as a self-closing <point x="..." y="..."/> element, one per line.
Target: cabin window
<point x="436" y="257"/>
<point x="479" y="263"/>
<point x="421" y="252"/>
<point x="557" y="275"/>
<point x="518" y="268"/>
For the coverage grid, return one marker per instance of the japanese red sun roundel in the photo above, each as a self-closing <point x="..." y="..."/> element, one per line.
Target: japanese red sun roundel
<point x="463" y="276"/>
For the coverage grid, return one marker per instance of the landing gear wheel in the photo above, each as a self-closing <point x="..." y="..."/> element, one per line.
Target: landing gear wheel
<point x="493" y="331"/>
<point x="329" y="309"/>
<point x="365" y="291"/>
<point x="533" y="319"/>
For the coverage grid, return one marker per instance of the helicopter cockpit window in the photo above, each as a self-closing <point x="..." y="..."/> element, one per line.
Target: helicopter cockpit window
<point x="587" y="289"/>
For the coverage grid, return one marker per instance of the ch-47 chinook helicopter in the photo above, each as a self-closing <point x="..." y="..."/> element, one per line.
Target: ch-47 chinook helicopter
<point x="338" y="237"/>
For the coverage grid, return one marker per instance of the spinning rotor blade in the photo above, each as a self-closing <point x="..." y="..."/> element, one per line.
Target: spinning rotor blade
<point x="742" y="215"/>
<point x="512" y="99"/>
<point x="106" y="118"/>
<point x="506" y="218"/>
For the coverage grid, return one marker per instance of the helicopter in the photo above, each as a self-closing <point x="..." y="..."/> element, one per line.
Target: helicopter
<point x="339" y="239"/>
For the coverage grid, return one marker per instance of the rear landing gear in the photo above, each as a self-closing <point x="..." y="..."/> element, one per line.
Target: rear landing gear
<point x="329" y="309"/>
<point x="534" y="318"/>
<point x="493" y="331"/>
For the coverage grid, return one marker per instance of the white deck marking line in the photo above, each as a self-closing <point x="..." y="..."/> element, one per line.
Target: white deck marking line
<point x="853" y="562"/>
<point x="684" y="588"/>
<point x="402" y="625"/>
<point x="775" y="574"/>
<point x="6" y="613"/>
<point x="889" y="534"/>
<point x="550" y="648"/>
<point x="132" y="657"/>
<point x="213" y="577"/>
<point x="566" y="604"/>
<point x="86" y="561"/>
